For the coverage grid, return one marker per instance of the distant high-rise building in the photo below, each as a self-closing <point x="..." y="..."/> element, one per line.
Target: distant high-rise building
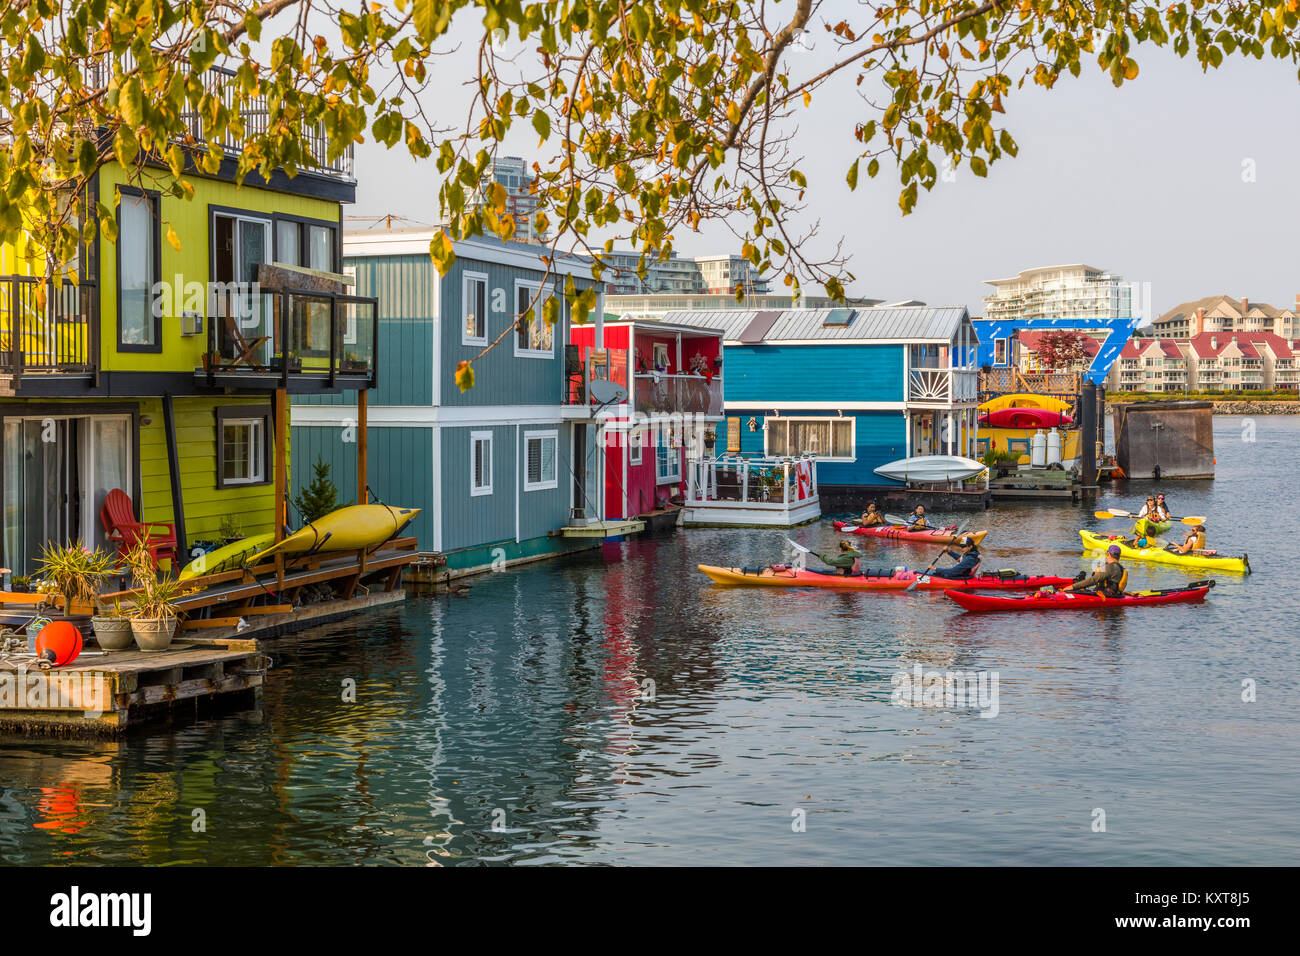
<point x="1059" y="294"/>
<point x="521" y="203"/>
<point x="724" y="273"/>
<point x="679" y="275"/>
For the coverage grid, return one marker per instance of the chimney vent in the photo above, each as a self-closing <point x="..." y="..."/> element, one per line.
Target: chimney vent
<point x="1245" y="306"/>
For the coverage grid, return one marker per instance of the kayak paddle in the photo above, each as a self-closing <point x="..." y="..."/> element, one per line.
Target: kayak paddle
<point x="956" y="534"/>
<point x="1121" y="513"/>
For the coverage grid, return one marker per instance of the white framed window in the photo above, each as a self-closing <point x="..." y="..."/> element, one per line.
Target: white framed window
<point x="830" y="439"/>
<point x="1000" y="351"/>
<point x="539" y="460"/>
<point x="243" y="451"/>
<point x="661" y="355"/>
<point x="668" y="461"/>
<point x="534" y="338"/>
<point x="480" y="463"/>
<point x="473" y="303"/>
<point x="634" y="446"/>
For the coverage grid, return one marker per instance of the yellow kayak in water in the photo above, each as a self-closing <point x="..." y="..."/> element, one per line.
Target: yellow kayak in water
<point x="356" y="526"/>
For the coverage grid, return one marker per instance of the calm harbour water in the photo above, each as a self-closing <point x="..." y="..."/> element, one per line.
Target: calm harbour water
<point x="521" y="706"/>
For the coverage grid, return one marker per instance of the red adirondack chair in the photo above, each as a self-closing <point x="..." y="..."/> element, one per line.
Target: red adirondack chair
<point x="120" y="527"/>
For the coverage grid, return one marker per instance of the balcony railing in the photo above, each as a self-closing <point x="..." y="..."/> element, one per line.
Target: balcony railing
<point x="269" y="333"/>
<point x="943" y="386"/>
<point x="685" y="394"/>
<point x="608" y="365"/>
<point x="57" y="337"/>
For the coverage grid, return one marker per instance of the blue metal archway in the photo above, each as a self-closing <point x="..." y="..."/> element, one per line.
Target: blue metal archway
<point x="990" y="330"/>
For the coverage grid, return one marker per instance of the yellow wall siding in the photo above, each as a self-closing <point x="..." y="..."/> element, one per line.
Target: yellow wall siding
<point x="191" y="262"/>
<point x="196" y="439"/>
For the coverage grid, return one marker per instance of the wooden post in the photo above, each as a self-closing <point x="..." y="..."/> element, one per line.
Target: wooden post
<point x="363" y="401"/>
<point x="281" y="476"/>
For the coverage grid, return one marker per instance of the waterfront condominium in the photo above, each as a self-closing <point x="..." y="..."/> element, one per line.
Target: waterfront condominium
<point x="1223" y="314"/>
<point x="1059" y="294"/>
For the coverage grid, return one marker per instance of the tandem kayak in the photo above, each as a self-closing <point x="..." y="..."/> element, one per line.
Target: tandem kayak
<point x="1069" y="601"/>
<point x="873" y="580"/>
<point x="348" y="528"/>
<point x="1217" y="562"/>
<point x="898" y="532"/>
<point x="1024" y="400"/>
<point x="1147" y="526"/>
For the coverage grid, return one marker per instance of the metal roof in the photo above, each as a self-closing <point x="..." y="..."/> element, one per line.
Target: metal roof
<point x="923" y="324"/>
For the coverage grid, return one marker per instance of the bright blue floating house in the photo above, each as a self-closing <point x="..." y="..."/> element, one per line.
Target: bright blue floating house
<point x="507" y="471"/>
<point x="856" y="387"/>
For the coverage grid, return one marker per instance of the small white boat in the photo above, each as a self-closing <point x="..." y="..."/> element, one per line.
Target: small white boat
<point x="932" y="468"/>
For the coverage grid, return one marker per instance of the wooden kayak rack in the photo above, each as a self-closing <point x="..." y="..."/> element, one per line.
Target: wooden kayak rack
<point x="217" y="653"/>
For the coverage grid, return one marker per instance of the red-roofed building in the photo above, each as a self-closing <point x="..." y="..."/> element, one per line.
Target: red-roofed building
<point x="1205" y="362"/>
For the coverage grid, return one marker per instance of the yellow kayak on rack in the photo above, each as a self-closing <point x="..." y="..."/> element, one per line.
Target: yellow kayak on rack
<point x="232" y="556"/>
<point x="1025" y="400"/>
<point x="350" y="528"/>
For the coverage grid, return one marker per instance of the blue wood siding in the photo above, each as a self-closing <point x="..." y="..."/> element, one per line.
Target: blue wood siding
<point x="813" y="373"/>
<point x="405" y="287"/>
<point x="400" y="468"/>
<point x="500" y="377"/>
<point x="880" y="437"/>
<point x="471" y="521"/>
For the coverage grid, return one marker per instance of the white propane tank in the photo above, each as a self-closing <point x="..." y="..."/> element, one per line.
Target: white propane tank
<point x="1038" y="454"/>
<point x="1053" y="447"/>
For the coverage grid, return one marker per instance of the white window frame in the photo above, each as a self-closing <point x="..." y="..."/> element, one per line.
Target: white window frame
<point x="635" y="446"/>
<point x="537" y="288"/>
<point x="676" y="456"/>
<point x="554" y="481"/>
<point x="256" y="450"/>
<point x="466" y="278"/>
<point x="476" y="491"/>
<point x="1003" y="346"/>
<point x="853" y="433"/>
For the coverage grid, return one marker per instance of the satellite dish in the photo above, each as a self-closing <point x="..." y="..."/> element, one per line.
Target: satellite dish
<point x="606" y="392"/>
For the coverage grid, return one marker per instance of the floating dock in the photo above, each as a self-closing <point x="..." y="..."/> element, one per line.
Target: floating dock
<point x="1162" y="440"/>
<point x="217" y="656"/>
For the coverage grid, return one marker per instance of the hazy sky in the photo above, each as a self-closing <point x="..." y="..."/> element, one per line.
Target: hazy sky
<point x="1145" y="181"/>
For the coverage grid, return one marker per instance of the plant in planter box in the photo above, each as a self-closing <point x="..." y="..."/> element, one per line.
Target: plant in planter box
<point x="354" y="363"/>
<point x="155" y="615"/>
<point x="20" y="584"/>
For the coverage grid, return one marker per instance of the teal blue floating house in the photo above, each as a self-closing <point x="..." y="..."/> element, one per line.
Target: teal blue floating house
<point x="507" y="471"/>
<point x="855" y="387"/>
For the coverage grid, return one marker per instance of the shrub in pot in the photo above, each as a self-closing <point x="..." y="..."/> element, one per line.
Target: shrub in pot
<point x="112" y="627"/>
<point x="75" y="572"/>
<point x="154" y="618"/>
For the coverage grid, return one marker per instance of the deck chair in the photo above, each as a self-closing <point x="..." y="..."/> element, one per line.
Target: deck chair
<point x="123" y="530"/>
<point x="245" y="349"/>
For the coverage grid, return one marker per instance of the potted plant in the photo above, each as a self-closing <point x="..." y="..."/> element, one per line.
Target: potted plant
<point x="155" y="616"/>
<point x="20" y="584"/>
<point x="353" y="363"/>
<point x="74" y="572"/>
<point x="229" y="529"/>
<point x="112" y="627"/>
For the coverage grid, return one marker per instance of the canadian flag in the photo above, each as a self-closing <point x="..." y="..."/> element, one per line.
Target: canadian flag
<point x="805" y="479"/>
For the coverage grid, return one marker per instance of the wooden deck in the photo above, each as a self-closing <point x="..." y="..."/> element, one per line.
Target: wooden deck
<point x="217" y="654"/>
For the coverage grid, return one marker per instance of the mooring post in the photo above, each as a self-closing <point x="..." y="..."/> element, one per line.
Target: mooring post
<point x="1088" y="437"/>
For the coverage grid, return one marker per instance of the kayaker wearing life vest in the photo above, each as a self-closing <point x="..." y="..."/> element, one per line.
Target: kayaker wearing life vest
<point x="1193" y="541"/>
<point x="1148" y="513"/>
<point x="967" y="558"/>
<point x="845" y="561"/>
<point x="916" y="520"/>
<point x="1109" y="580"/>
<point x="871" y="517"/>
<point x="1162" y="509"/>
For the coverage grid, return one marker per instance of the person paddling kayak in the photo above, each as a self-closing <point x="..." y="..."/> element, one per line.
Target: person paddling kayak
<point x="1193" y="541"/>
<point x="967" y="558"/>
<point x="845" y="561"/>
<point x="1108" y="580"/>
<point x="916" y="520"/>
<point x="872" y="517"/>
<point x="1162" y="509"/>
<point x="1149" y="513"/>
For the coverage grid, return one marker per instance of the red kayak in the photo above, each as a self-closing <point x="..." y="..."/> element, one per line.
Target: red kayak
<point x="883" y="579"/>
<point x="1024" y="418"/>
<point x="898" y="532"/>
<point x="1069" y="601"/>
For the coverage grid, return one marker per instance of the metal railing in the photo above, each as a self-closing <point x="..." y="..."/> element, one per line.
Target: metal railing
<point x="609" y="365"/>
<point x="760" y="481"/>
<point x="685" y="394"/>
<point x="279" y="332"/>
<point x="58" y="336"/>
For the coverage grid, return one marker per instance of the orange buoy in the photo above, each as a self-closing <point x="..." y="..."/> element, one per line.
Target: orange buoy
<point x="58" y="643"/>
